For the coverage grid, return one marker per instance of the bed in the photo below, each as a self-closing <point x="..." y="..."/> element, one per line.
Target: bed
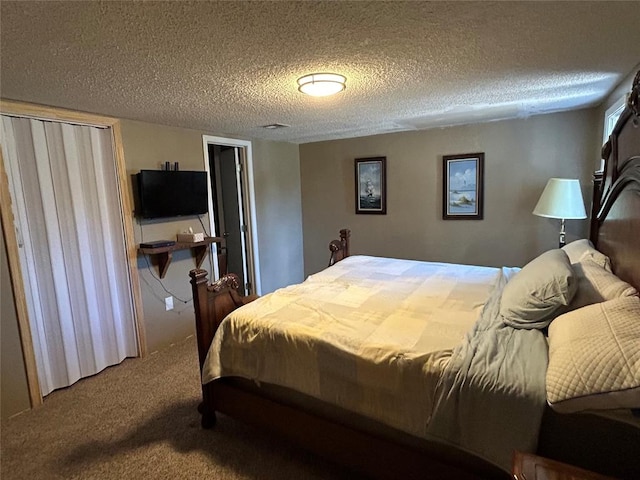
<point x="335" y="391"/>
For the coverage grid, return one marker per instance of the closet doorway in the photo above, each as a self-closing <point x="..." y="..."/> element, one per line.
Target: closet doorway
<point x="69" y="243"/>
<point x="231" y="209"/>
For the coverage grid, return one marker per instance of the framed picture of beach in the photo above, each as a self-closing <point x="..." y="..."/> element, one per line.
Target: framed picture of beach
<point x="371" y="185"/>
<point x="462" y="179"/>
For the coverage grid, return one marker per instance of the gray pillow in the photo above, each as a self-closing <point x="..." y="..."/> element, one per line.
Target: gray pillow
<point x="537" y="291"/>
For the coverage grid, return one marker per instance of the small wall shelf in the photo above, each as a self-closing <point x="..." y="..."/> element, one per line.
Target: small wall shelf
<point x="163" y="255"/>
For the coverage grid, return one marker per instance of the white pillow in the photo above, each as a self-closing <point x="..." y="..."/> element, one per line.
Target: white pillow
<point x="594" y="357"/>
<point x="536" y="292"/>
<point x="582" y="249"/>
<point x="597" y="284"/>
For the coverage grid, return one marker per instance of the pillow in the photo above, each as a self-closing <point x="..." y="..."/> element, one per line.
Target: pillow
<point x="596" y="284"/>
<point x="579" y="250"/>
<point x="594" y="359"/>
<point x="532" y="296"/>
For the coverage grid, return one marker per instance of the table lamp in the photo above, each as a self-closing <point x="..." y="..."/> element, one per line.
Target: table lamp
<point x="561" y="198"/>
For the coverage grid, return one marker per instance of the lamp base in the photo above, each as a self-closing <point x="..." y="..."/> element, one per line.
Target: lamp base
<point x="562" y="242"/>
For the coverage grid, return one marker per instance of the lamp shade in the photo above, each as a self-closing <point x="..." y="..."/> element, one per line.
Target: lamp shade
<point x="561" y="198"/>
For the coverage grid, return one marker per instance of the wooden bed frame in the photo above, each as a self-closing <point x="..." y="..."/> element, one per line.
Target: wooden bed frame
<point x="588" y="441"/>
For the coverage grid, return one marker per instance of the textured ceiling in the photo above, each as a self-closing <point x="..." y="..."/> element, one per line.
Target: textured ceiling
<point x="230" y="68"/>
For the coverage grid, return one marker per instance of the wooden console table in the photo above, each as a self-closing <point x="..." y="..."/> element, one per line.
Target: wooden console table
<point x="163" y="255"/>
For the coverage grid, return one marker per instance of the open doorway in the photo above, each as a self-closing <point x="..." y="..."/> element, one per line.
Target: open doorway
<point x="231" y="209"/>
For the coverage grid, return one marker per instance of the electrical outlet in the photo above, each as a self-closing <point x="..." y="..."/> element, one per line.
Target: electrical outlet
<point x="168" y="303"/>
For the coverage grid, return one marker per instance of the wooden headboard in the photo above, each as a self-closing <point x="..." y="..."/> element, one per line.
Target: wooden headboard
<point x="615" y="215"/>
<point x="339" y="248"/>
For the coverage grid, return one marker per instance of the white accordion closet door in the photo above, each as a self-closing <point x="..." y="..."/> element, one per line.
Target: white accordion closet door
<point x="64" y="190"/>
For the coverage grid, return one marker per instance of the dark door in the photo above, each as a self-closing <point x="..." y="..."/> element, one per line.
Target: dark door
<point x="225" y="165"/>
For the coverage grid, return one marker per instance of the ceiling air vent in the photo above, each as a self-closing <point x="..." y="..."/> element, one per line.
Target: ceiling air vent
<point x="274" y="126"/>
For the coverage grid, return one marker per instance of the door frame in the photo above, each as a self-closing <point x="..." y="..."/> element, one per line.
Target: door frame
<point x="46" y="113"/>
<point x="248" y="199"/>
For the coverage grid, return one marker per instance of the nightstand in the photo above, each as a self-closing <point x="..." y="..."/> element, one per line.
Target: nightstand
<point x="527" y="466"/>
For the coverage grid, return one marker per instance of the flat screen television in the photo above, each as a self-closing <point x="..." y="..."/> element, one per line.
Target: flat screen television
<point x="169" y="193"/>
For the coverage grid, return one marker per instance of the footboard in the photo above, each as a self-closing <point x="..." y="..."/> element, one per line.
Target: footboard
<point x="212" y="304"/>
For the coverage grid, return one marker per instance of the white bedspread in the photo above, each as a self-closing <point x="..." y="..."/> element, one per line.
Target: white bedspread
<point x="369" y="334"/>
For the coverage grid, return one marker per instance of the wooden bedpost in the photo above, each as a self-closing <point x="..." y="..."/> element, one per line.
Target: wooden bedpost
<point x="212" y="303"/>
<point x="595" y="206"/>
<point x="204" y="330"/>
<point x="345" y="234"/>
<point x="339" y="248"/>
<point x="204" y="335"/>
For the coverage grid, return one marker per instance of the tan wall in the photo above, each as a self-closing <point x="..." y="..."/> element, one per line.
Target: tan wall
<point x="14" y="396"/>
<point x="146" y="146"/>
<point x="520" y="156"/>
<point x="277" y="190"/>
<point x="276" y="170"/>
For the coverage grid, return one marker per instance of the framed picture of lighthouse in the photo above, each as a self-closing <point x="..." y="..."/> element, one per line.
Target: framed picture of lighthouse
<point x="462" y="189"/>
<point x="371" y="185"/>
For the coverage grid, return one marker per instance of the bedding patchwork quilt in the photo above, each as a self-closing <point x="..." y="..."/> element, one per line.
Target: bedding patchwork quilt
<point x="397" y="341"/>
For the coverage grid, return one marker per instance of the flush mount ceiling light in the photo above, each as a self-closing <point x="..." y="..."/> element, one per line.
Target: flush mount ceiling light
<point x="321" y="84"/>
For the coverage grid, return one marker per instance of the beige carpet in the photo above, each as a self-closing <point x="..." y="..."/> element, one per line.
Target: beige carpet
<point x="139" y="420"/>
